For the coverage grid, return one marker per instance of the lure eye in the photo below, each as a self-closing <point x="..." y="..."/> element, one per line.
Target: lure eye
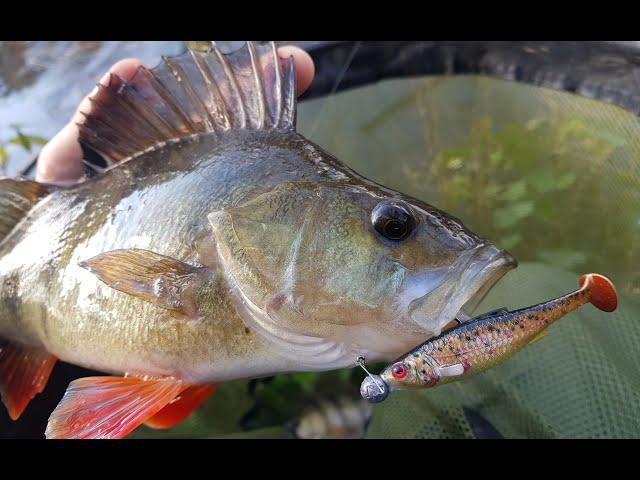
<point x="393" y="221"/>
<point x="399" y="370"/>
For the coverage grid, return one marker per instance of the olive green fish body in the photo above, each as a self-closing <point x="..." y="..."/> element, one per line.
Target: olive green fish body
<point x="158" y="202"/>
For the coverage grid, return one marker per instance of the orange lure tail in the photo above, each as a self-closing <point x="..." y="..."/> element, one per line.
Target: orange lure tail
<point x="602" y="293"/>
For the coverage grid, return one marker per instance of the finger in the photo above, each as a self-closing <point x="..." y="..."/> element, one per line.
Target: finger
<point x="305" y="69"/>
<point x="60" y="160"/>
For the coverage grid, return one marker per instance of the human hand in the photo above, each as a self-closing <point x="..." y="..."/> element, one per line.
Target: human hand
<point x="60" y="160"/>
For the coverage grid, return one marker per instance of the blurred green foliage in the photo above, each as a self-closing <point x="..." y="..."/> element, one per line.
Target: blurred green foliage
<point x="21" y="140"/>
<point x="525" y="183"/>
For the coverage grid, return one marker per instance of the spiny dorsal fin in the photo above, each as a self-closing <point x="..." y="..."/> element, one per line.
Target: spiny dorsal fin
<point x="193" y="93"/>
<point x="155" y="278"/>
<point x="17" y="197"/>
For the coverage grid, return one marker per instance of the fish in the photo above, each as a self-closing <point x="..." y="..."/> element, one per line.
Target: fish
<point x="340" y="417"/>
<point x="218" y="244"/>
<point x="484" y="342"/>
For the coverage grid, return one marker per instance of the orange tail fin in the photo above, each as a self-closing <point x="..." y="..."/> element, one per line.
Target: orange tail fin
<point x="110" y="407"/>
<point x="181" y="407"/>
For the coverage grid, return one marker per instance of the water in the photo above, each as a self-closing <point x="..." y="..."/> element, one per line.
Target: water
<point x="42" y="83"/>
<point x="553" y="177"/>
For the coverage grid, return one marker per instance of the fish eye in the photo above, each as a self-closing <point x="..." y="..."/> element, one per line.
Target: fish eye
<point x="392" y="221"/>
<point x="399" y="370"/>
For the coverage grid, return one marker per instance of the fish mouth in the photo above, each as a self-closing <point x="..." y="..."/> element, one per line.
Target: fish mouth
<point x="499" y="263"/>
<point x="460" y="296"/>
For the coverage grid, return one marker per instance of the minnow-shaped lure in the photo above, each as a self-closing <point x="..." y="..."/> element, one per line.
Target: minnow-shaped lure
<point x="484" y="342"/>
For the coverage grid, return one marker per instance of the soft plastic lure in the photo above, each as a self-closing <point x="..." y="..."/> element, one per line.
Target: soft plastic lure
<point x="484" y="342"/>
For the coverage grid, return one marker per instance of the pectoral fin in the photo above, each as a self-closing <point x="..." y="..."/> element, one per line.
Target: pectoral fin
<point x="451" y="370"/>
<point x="181" y="407"/>
<point x="110" y="407"/>
<point x="24" y="372"/>
<point x="155" y="278"/>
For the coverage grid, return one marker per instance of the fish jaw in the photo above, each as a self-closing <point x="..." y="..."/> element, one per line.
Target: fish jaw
<point x="468" y="282"/>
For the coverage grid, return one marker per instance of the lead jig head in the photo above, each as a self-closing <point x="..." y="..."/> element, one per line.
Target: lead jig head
<point x="373" y="387"/>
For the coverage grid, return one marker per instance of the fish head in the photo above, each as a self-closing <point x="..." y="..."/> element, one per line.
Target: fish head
<point x="354" y="264"/>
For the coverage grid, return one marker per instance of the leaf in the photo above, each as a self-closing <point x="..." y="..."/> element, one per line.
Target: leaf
<point x="491" y="190"/>
<point x="534" y="123"/>
<point x="26" y="141"/>
<point x="514" y="191"/>
<point x="563" y="258"/>
<point x="542" y="181"/>
<point x="37" y="139"/>
<point x="507" y="217"/>
<point x="454" y="163"/>
<point x="545" y="181"/>
<point x="4" y="157"/>
<point x="496" y="157"/>
<point x="609" y="136"/>
<point x="565" y="181"/>
<point x="461" y="185"/>
<point x="21" y="140"/>
<point x="510" y="241"/>
<point x="304" y="379"/>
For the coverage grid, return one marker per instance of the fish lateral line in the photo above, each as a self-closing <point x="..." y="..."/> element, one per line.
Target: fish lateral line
<point x="485" y="341"/>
